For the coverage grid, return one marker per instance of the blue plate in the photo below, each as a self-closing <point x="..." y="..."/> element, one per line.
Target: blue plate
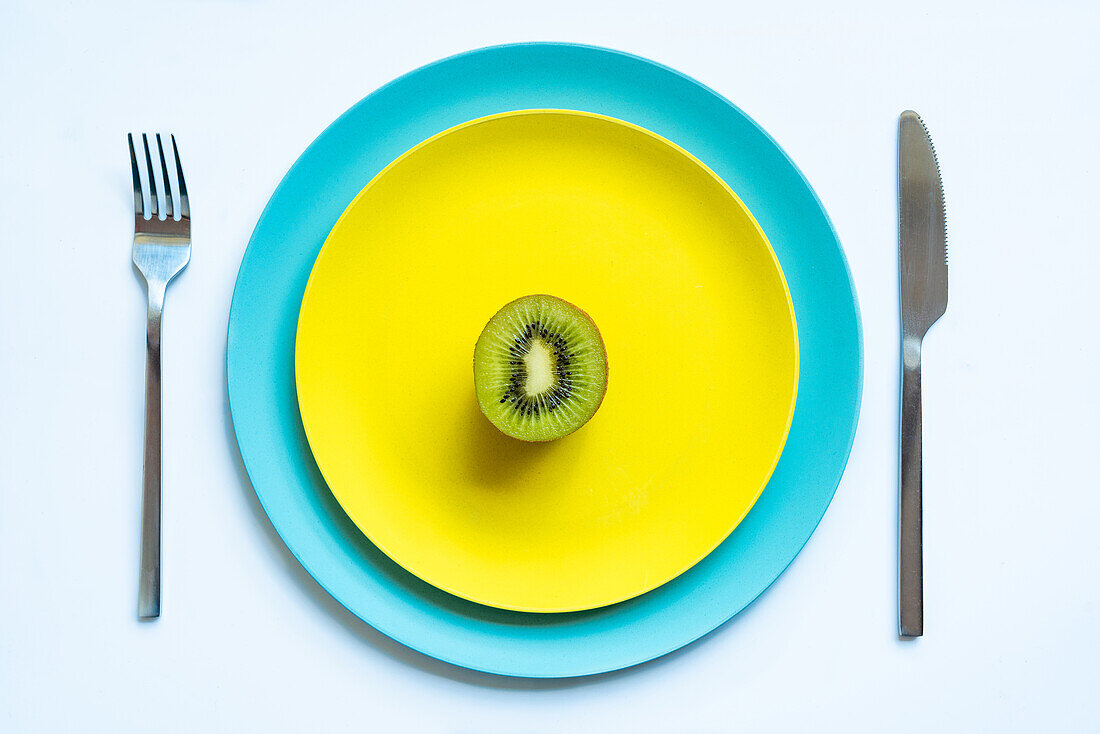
<point x="276" y="267"/>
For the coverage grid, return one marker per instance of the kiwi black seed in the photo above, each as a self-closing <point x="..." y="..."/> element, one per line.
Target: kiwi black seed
<point x="540" y="368"/>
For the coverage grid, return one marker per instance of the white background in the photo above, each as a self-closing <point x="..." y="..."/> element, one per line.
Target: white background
<point x="248" y="642"/>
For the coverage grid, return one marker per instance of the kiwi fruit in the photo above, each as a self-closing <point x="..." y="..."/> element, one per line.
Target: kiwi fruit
<point x="540" y="368"/>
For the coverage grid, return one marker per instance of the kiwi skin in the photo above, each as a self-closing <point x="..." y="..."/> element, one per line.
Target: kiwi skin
<point x="607" y="369"/>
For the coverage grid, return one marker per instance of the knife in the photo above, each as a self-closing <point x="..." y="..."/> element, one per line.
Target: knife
<point x="922" y="234"/>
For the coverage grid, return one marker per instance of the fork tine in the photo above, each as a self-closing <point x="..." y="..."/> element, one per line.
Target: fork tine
<point x="185" y="207"/>
<point x="152" y="178"/>
<point x="164" y="177"/>
<point x="139" y="207"/>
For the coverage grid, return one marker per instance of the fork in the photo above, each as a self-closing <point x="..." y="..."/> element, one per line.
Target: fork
<point x="162" y="248"/>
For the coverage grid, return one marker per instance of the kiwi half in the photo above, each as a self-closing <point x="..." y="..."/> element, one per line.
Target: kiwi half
<point x="540" y="368"/>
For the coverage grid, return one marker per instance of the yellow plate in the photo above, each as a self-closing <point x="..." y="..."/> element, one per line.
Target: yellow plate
<point x="694" y="312"/>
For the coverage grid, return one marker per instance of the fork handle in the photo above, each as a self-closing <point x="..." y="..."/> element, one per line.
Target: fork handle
<point x="911" y="559"/>
<point x="149" y="578"/>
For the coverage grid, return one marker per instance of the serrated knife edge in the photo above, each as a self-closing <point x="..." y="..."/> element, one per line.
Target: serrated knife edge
<point x="922" y="231"/>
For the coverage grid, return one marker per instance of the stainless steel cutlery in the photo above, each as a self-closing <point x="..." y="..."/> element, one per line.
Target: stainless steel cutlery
<point x="162" y="248"/>
<point x="923" y="276"/>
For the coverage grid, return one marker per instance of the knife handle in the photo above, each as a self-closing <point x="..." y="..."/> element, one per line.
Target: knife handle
<point x="911" y="560"/>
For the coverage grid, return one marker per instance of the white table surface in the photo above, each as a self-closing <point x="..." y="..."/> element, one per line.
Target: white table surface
<point x="249" y="642"/>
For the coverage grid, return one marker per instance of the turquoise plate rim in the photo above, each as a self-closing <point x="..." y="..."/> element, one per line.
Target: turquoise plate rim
<point x="280" y="255"/>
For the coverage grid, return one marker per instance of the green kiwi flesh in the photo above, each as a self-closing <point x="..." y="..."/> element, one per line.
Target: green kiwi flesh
<point x="540" y="368"/>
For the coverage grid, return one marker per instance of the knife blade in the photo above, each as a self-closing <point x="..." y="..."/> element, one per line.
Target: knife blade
<point x="922" y="237"/>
